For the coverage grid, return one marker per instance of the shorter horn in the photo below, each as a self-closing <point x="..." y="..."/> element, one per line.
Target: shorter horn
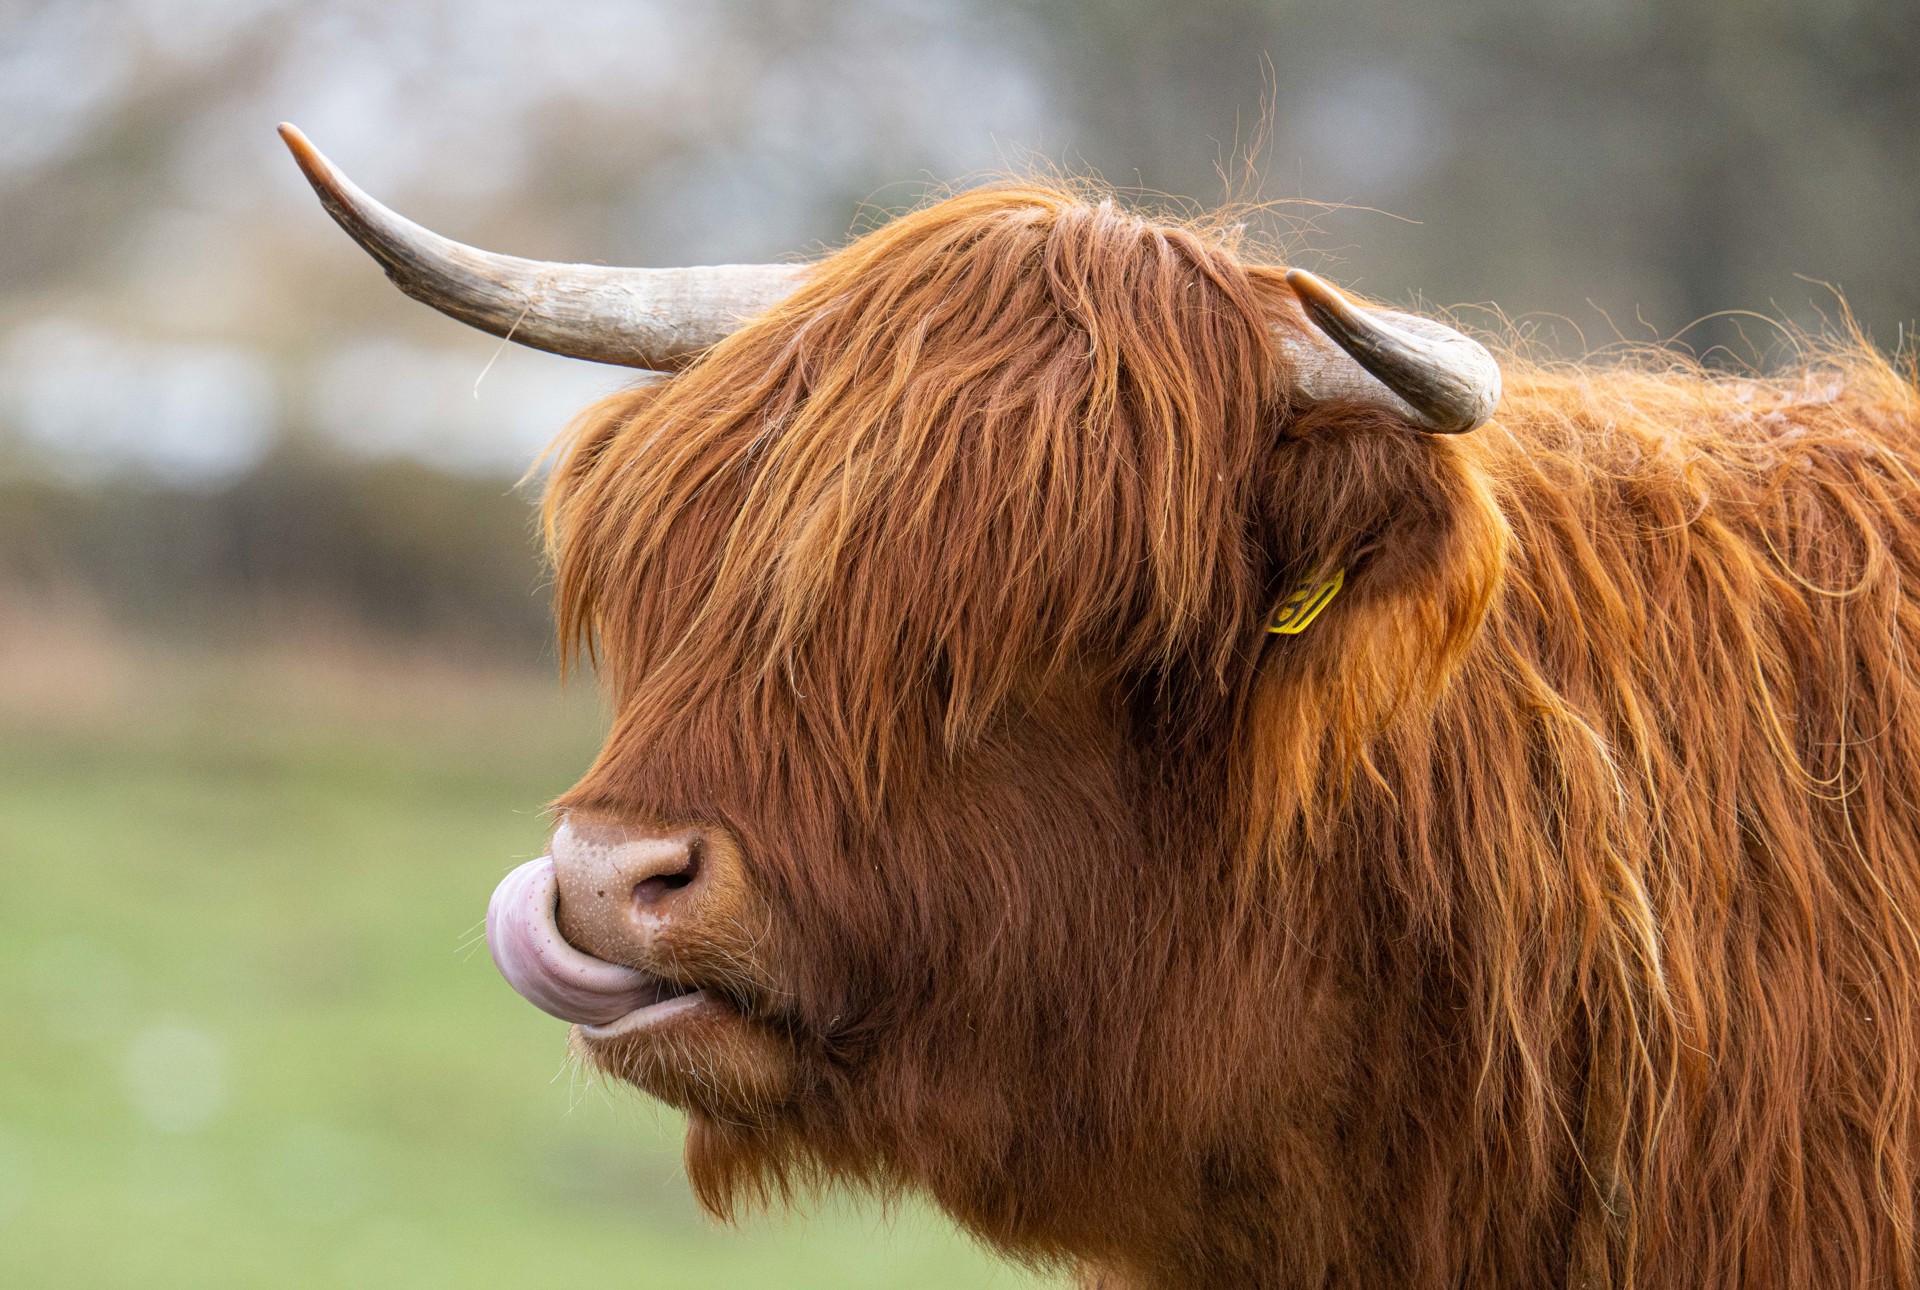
<point x="657" y="318"/>
<point x="1446" y="382"/>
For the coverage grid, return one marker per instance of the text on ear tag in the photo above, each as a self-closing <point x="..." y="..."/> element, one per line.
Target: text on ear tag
<point x="1304" y="603"/>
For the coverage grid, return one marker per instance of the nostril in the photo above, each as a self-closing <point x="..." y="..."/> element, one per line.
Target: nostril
<point x="653" y="890"/>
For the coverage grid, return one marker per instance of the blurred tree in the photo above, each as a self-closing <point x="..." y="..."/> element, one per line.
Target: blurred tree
<point x="395" y="547"/>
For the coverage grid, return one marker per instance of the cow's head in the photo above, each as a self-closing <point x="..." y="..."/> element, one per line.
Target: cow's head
<point x="935" y="839"/>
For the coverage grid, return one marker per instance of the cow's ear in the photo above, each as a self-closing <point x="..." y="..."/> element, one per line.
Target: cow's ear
<point x="1412" y="524"/>
<point x="1403" y="514"/>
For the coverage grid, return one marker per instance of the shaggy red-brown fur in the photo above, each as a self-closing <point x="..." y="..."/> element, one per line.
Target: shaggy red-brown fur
<point x="1543" y="915"/>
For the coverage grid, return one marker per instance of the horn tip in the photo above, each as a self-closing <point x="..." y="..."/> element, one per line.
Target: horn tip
<point x="1312" y="288"/>
<point x="317" y="169"/>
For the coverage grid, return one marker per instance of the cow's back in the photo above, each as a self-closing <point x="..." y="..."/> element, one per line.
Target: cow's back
<point x="1711" y="626"/>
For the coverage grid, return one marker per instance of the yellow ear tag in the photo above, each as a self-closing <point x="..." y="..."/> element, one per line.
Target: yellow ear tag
<point x="1304" y="603"/>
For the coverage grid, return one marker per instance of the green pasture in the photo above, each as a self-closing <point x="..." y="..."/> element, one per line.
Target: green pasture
<point x="248" y="1036"/>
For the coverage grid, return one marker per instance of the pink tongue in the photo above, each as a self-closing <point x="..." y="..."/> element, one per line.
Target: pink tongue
<point x="549" y="973"/>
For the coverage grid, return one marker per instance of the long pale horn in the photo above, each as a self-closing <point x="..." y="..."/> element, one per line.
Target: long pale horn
<point x="661" y="318"/>
<point x="1446" y="382"/>
<point x="658" y="318"/>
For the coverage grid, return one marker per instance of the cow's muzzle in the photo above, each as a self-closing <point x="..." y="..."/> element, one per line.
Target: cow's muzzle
<point x="588" y="933"/>
<point x="650" y="940"/>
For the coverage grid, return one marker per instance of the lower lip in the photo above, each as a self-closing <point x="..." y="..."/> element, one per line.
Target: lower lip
<point x="651" y="1017"/>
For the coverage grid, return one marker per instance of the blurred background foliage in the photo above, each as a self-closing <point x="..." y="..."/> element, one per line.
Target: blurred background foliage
<point x="178" y="321"/>
<point x="276" y="697"/>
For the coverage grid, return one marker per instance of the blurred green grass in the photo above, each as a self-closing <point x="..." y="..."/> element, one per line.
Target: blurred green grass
<point x="248" y="1036"/>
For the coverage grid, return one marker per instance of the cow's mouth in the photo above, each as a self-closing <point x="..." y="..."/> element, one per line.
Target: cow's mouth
<point x="688" y="1045"/>
<point x="674" y="1000"/>
<point x="524" y="937"/>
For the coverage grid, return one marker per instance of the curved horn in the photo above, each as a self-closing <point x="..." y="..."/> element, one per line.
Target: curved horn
<point x="1446" y="382"/>
<point x="633" y="317"/>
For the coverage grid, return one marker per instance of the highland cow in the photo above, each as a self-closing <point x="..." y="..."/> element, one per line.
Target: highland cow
<point x="1097" y="745"/>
